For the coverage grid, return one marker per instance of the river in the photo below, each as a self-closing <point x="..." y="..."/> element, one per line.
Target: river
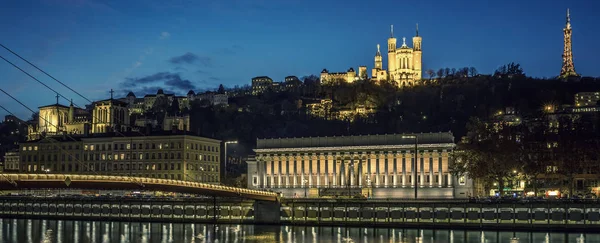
<point x="34" y="231"/>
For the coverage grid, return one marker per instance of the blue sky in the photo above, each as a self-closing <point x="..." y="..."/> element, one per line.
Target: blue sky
<point x="177" y="44"/>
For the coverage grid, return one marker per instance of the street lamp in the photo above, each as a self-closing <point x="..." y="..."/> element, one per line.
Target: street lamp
<point x="414" y="166"/>
<point x="46" y="191"/>
<point x="369" y="186"/>
<point x="304" y="182"/>
<point x="225" y="160"/>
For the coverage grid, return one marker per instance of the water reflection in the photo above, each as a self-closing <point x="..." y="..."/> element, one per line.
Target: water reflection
<point x="28" y="230"/>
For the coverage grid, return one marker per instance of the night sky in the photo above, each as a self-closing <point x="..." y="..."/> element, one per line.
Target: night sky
<point x="141" y="45"/>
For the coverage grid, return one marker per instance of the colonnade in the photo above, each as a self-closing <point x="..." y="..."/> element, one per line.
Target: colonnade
<point x="377" y="169"/>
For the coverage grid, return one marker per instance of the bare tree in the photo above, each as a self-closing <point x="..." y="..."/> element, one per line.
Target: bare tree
<point x="440" y="73"/>
<point x="472" y="72"/>
<point x="431" y="73"/>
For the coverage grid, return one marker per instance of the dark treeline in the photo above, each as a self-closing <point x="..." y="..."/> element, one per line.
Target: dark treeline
<point x="442" y="104"/>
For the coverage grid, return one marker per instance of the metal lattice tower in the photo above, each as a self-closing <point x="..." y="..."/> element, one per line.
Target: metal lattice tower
<point x="568" y="69"/>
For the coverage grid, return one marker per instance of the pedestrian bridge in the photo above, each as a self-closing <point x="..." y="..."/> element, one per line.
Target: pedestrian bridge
<point x="106" y="182"/>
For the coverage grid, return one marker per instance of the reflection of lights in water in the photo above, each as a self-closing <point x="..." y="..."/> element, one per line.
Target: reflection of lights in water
<point x="106" y="235"/>
<point x="1" y="229"/>
<point x="451" y="236"/>
<point x="227" y="234"/>
<point x="581" y="238"/>
<point x="314" y="234"/>
<point x="93" y="239"/>
<point x="170" y="233"/>
<point x="482" y="236"/>
<point x="29" y="231"/>
<point x="48" y="236"/>
<point x="59" y="231"/>
<point x="164" y="234"/>
<point x="514" y="240"/>
<point x="144" y="236"/>
<point x="88" y="231"/>
<point x="124" y="237"/>
<point x="76" y="230"/>
<point x="14" y="230"/>
<point x="547" y="240"/>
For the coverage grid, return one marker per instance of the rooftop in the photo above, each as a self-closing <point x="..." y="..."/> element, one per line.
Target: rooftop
<point x="358" y="140"/>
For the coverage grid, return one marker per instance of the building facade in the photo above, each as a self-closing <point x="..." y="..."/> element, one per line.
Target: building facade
<point x="11" y="161"/>
<point x="404" y="64"/>
<point x="261" y="84"/>
<point x="169" y="156"/>
<point x="379" y="166"/>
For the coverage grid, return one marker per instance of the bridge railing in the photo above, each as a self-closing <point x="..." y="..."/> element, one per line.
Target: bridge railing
<point x="142" y="180"/>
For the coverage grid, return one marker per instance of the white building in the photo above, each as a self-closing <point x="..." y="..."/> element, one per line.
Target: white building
<point x="380" y="166"/>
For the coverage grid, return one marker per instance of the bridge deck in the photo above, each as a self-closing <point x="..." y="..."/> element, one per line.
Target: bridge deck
<point x="106" y="182"/>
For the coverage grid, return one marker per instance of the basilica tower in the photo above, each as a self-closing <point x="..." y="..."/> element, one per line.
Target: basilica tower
<point x="568" y="69"/>
<point x="391" y="53"/>
<point x="417" y="55"/>
<point x="378" y="61"/>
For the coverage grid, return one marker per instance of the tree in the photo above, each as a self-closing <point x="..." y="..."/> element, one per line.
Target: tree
<point x="440" y="73"/>
<point x="431" y="73"/>
<point x="490" y="153"/>
<point x="221" y="89"/>
<point x="472" y="72"/>
<point x="511" y="70"/>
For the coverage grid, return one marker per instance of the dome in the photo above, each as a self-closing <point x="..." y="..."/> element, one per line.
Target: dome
<point x="160" y="91"/>
<point x="351" y="70"/>
<point x="191" y="92"/>
<point x="130" y="94"/>
<point x="324" y="70"/>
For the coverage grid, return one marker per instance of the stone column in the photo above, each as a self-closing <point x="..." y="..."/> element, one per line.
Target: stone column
<point x="327" y="171"/>
<point x="342" y="173"/>
<point x="318" y="171"/>
<point x="334" y="170"/>
<point x="422" y="181"/>
<point x="431" y="169"/>
<point x="279" y="180"/>
<point x="440" y="175"/>
<point x="414" y="172"/>
<point x="449" y="180"/>
<point x="403" y="162"/>
<point x="360" y="172"/>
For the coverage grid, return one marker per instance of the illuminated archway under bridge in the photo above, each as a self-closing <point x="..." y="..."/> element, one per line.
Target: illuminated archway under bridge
<point x="106" y="182"/>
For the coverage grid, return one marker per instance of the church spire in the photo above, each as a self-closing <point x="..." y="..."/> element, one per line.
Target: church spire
<point x="378" y="52"/>
<point x="417" y="29"/>
<point x="392" y="31"/>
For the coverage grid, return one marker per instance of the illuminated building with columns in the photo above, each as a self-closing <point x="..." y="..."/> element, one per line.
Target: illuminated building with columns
<point x="378" y="166"/>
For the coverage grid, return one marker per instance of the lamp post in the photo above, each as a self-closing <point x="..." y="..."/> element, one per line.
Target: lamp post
<point x="225" y="159"/>
<point x="304" y="183"/>
<point x="46" y="191"/>
<point x="415" y="163"/>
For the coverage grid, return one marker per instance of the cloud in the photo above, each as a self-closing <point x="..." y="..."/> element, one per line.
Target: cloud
<point x="180" y="84"/>
<point x="164" y="35"/>
<point x="230" y="50"/>
<point x="214" y="79"/>
<point x="187" y="58"/>
<point x="172" y="80"/>
<point x="191" y="58"/>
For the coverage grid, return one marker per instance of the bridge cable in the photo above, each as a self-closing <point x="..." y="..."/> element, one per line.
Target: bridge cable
<point x="84" y="165"/>
<point x="116" y="131"/>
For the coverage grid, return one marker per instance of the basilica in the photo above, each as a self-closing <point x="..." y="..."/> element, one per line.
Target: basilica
<point x="404" y="65"/>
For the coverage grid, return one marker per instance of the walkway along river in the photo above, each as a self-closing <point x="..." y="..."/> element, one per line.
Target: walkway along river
<point x="371" y="213"/>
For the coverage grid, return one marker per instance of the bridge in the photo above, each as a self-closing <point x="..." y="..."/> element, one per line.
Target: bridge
<point x="106" y="182"/>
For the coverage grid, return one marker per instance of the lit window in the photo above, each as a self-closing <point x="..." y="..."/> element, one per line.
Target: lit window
<point x="462" y="180"/>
